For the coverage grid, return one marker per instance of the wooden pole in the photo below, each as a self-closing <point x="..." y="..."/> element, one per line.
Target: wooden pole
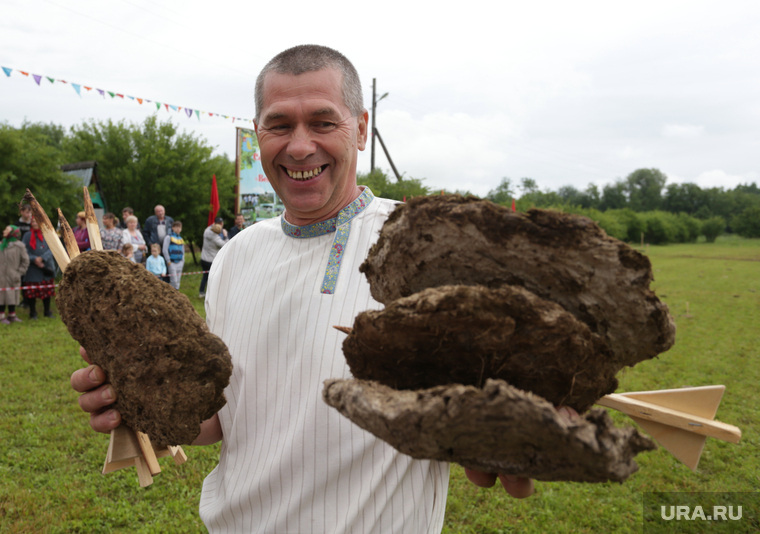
<point x="68" y="236"/>
<point x="93" y="230"/>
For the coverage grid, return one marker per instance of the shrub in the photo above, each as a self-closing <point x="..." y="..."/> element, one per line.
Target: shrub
<point x="712" y="228"/>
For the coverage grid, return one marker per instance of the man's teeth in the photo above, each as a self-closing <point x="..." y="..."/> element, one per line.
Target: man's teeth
<point x="304" y="175"/>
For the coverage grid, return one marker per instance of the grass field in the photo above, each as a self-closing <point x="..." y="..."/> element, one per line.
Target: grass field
<point x="50" y="460"/>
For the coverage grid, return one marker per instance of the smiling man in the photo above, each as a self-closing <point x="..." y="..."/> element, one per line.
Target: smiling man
<point x="289" y="463"/>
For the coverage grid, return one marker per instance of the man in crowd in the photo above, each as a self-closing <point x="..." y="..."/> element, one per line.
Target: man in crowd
<point x="290" y="463"/>
<point x="157" y="226"/>
<point x="239" y="225"/>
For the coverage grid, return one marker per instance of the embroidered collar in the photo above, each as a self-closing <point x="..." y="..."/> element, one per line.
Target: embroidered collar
<point x="330" y="225"/>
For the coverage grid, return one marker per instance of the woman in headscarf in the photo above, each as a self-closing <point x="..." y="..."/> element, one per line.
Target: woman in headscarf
<point x="13" y="264"/>
<point x="40" y="277"/>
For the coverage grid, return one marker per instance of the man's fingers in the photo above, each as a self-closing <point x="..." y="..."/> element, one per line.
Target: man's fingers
<point x="84" y="354"/>
<point x="97" y="399"/>
<point x="479" y="478"/>
<point x="106" y="421"/>
<point x="517" y="487"/>
<point x="83" y="380"/>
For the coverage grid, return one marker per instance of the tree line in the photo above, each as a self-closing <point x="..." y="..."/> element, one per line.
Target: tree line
<point x="641" y="206"/>
<point x="140" y="165"/>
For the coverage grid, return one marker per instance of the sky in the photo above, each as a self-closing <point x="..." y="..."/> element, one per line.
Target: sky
<point x="566" y="93"/>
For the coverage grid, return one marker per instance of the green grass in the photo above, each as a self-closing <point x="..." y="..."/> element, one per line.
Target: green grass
<point x="50" y="460"/>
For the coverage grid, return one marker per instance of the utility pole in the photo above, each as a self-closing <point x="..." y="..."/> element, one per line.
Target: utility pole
<point x="376" y="133"/>
<point x="375" y="100"/>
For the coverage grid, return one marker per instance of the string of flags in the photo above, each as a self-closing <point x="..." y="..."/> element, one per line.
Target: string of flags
<point x="190" y="112"/>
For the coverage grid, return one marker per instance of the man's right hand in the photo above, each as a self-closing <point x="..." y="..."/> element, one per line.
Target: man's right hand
<point x="97" y="396"/>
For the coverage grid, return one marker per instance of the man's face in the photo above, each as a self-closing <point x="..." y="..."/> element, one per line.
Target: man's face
<point x="160" y="212"/>
<point x="239" y="220"/>
<point x="309" y="142"/>
<point x="26" y="214"/>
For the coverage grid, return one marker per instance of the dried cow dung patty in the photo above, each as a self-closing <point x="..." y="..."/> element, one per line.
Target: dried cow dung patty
<point x="496" y="429"/>
<point x="466" y="334"/>
<point x="567" y="259"/>
<point x="168" y="370"/>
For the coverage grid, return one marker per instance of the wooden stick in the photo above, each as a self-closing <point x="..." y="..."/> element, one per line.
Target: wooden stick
<point x="68" y="236"/>
<point x="93" y="230"/>
<point x="148" y="454"/>
<point x="48" y="231"/>
<point x="344" y="329"/>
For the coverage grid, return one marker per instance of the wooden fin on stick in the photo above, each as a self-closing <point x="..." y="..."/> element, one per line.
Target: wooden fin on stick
<point x="127" y="449"/>
<point x="93" y="229"/>
<point x="68" y="236"/>
<point x="679" y="419"/>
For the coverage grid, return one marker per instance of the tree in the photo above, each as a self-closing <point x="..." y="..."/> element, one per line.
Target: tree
<point x="747" y="223"/>
<point x="712" y="228"/>
<point x="614" y="196"/>
<point x="148" y="164"/>
<point x="31" y="160"/>
<point x="644" y="189"/>
<point x="687" y="198"/>
<point x="503" y="194"/>
<point x="381" y="186"/>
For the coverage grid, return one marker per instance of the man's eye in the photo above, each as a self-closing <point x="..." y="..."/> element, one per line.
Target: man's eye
<point x="324" y="126"/>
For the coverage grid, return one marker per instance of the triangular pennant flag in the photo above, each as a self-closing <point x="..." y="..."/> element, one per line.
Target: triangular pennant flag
<point x="88" y="88"/>
<point x="77" y="88"/>
<point x="7" y="71"/>
<point x="102" y="93"/>
<point x="198" y="114"/>
<point x="37" y="78"/>
<point x="24" y="73"/>
<point x="139" y="100"/>
<point x="63" y="81"/>
<point x="189" y="112"/>
<point x="166" y="106"/>
<point x="51" y="80"/>
<point x="130" y="97"/>
<point x="119" y="95"/>
<point x="173" y="107"/>
<point x="112" y="94"/>
<point x="158" y="105"/>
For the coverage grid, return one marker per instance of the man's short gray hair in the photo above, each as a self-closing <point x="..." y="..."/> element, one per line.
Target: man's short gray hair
<point x="311" y="58"/>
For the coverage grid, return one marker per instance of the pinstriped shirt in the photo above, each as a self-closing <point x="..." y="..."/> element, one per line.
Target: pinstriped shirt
<point x="289" y="463"/>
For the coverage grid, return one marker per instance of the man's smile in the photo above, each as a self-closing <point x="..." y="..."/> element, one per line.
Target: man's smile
<point x="305" y="175"/>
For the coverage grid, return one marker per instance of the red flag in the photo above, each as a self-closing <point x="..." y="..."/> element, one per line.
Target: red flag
<point x="214" y="207"/>
<point x="513" y="206"/>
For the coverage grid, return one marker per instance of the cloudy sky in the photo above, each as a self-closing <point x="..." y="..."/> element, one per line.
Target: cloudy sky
<point x="567" y="93"/>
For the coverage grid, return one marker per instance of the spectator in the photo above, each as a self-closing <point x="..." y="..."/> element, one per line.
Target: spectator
<point x="126" y="212"/>
<point x="128" y="251"/>
<point x="239" y="225"/>
<point x="214" y="238"/>
<point x="40" y="276"/>
<point x="14" y="262"/>
<point x="174" y="254"/>
<point x="133" y="236"/>
<point x="110" y="235"/>
<point x="81" y="234"/>
<point x="25" y="219"/>
<point x="155" y="262"/>
<point x="157" y="226"/>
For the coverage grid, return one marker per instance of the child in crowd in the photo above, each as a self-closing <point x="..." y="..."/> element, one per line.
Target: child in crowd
<point x="155" y="262"/>
<point x="174" y="254"/>
<point x="128" y="251"/>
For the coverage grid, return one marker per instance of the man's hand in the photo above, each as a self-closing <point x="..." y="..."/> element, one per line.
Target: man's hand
<point x="517" y="487"/>
<point x="97" y="396"/>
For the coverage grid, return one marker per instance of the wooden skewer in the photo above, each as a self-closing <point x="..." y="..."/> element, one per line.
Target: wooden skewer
<point x="68" y="236"/>
<point x="93" y="230"/>
<point x="48" y="231"/>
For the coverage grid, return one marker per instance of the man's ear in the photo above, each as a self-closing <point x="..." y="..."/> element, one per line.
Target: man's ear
<point x="363" y="119"/>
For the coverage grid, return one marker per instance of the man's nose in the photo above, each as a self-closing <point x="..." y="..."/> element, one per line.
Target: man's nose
<point x="301" y="144"/>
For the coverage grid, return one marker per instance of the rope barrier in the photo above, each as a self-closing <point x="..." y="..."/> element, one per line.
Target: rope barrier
<point x="48" y="286"/>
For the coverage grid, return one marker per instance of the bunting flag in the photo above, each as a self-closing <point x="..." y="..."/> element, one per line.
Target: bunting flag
<point x="113" y="94"/>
